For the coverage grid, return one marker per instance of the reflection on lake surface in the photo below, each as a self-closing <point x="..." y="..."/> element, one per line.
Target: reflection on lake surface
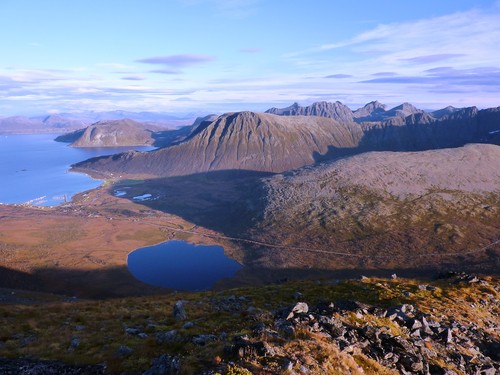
<point x="34" y="168"/>
<point x="181" y="265"/>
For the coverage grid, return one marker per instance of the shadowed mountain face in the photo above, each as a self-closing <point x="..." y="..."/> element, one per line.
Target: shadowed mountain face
<point x="244" y="140"/>
<point x="432" y="209"/>
<point x="427" y="211"/>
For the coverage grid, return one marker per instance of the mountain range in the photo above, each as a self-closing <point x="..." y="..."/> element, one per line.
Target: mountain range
<point x="66" y="122"/>
<point x="296" y="136"/>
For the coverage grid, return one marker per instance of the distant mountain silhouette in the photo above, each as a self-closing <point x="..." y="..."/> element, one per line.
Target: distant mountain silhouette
<point x="67" y="122"/>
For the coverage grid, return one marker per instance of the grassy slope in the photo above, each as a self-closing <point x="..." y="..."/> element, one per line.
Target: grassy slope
<point x="45" y="330"/>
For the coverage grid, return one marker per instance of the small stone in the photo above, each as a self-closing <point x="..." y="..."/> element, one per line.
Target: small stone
<point x="407" y="308"/>
<point x="489" y="371"/>
<point x="287" y="366"/>
<point x="167" y="337"/>
<point x="251" y="310"/>
<point x="259" y="328"/>
<point x="285" y="328"/>
<point x="416" y="324"/>
<point x="426" y="327"/>
<point x="142" y="335"/>
<point x="203" y="339"/>
<point x="132" y="331"/>
<point x="417" y="366"/>
<point x="79" y="327"/>
<point x="298" y="308"/>
<point x="124" y="351"/>
<point x="415" y="333"/>
<point x="74" y="343"/>
<point x="188" y="325"/>
<point x="178" y="311"/>
<point x="449" y="336"/>
<point x="394" y="276"/>
<point x="304" y="370"/>
<point x="164" y="364"/>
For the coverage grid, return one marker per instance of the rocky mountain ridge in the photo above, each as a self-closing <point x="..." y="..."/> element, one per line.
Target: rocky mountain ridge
<point x="243" y="140"/>
<point x="286" y="141"/>
<point x="336" y="111"/>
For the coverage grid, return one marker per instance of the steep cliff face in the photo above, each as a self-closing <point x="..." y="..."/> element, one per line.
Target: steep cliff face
<point x="243" y="140"/>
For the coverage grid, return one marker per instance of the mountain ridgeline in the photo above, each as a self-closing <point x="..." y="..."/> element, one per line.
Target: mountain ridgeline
<point x="293" y="137"/>
<point x="244" y="140"/>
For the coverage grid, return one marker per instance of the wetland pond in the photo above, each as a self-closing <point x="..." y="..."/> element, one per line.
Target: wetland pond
<point x="180" y="265"/>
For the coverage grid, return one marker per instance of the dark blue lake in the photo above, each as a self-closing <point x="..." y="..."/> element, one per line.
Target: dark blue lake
<point x="181" y="265"/>
<point x="35" y="168"/>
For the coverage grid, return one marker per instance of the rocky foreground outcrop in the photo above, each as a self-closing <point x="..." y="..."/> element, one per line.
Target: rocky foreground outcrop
<point x="367" y="326"/>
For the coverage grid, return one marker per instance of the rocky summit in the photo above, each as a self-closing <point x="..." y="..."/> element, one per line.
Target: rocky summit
<point x="243" y="140"/>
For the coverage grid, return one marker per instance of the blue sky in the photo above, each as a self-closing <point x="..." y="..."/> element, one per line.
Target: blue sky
<point x="201" y="56"/>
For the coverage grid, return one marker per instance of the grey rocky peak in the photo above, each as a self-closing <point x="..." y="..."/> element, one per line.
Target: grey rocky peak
<point x="370" y="111"/>
<point x="334" y="110"/>
<point x="444" y="111"/>
<point x="243" y="140"/>
<point x="403" y="110"/>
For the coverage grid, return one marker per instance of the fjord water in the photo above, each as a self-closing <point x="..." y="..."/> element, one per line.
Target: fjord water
<point x="35" y="168"/>
<point x="180" y="265"/>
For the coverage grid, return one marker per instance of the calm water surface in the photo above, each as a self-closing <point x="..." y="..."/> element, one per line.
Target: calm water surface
<point x="35" y="168"/>
<point x="181" y="265"/>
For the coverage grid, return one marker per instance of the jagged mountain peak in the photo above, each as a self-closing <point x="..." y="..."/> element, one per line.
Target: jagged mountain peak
<point x="369" y="110"/>
<point x="335" y="110"/>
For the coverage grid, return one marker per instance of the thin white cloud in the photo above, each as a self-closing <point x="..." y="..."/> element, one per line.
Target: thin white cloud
<point x="468" y="37"/>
